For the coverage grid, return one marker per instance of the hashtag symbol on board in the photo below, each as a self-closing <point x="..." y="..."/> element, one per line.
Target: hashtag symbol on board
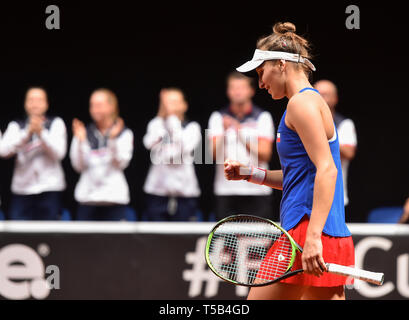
<point x="200" y="274"/>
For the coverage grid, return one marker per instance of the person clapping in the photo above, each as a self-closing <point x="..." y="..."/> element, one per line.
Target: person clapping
<point x="171" y="187"/>
<point x="100" y="152"/>
<point x="39" y="143"/>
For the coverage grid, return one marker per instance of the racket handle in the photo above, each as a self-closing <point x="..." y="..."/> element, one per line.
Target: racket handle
<point x="368" y="276"/>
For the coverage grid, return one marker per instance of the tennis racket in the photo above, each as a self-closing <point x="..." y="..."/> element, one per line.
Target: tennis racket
<point x="253" y="251"/>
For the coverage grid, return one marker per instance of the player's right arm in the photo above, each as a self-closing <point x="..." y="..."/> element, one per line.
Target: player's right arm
<point x="234" y="170"/>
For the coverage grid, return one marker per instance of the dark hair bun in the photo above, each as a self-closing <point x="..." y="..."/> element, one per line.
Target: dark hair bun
<point x="284" y="27"/>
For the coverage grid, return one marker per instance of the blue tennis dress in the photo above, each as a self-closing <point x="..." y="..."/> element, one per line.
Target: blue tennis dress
<point x="298" y="182"/>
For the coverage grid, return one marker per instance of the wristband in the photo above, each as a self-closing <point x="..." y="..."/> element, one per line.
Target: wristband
<point x="257" y="175"/>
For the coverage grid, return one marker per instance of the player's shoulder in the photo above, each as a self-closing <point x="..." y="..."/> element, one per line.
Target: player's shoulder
<point x="304" y="102"/>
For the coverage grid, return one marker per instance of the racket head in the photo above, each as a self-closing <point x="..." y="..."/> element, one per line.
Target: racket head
<point x="250" y="251"/>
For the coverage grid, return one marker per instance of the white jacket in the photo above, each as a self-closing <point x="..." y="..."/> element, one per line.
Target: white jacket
<point x="101" y="162"/>
<point x="171" y="146"/>
<point x="258" y="124"/>
<point x="38" y="158"/>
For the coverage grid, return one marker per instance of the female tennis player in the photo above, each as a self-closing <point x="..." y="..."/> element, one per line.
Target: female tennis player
<point x="312" y="205"/>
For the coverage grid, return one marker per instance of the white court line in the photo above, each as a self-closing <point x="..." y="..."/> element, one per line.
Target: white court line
<point x="165" y="227"/>
<point x="105" y="227"/>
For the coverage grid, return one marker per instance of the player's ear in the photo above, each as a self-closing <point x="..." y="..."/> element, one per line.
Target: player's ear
<point x="282" y="65"/>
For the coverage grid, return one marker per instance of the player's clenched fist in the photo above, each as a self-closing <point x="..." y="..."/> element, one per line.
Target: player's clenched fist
<point x="234" y="170"/>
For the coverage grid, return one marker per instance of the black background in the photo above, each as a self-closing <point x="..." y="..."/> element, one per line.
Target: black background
<point x="136" y="49"/>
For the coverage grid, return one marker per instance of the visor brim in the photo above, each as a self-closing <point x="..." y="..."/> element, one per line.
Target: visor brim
<point x="249" y="66"/>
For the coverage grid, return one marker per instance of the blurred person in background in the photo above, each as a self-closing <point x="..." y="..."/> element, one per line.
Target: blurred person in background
<point x="100" y="152"/>
<point x="171" y="187"/>
<point x="244" y="132"/>
<point x="39" y="143"/>
<point x="345" y="127"/>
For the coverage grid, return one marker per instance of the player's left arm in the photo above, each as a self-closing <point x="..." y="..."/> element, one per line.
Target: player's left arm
<point x="305" y="117"/>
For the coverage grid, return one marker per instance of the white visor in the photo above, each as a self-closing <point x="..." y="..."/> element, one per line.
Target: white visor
<point x="261" y="55"/>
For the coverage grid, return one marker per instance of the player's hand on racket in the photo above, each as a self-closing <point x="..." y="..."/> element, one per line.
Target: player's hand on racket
<point x="234" y="170"/>
<point x="311" y="258"/>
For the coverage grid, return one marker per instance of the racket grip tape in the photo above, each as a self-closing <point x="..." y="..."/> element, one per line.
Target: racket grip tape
<point x="368" y="276"/>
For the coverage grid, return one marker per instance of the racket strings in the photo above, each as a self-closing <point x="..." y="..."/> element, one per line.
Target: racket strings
<point x="249" y="251"/>
<point x="276" y="262"/>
